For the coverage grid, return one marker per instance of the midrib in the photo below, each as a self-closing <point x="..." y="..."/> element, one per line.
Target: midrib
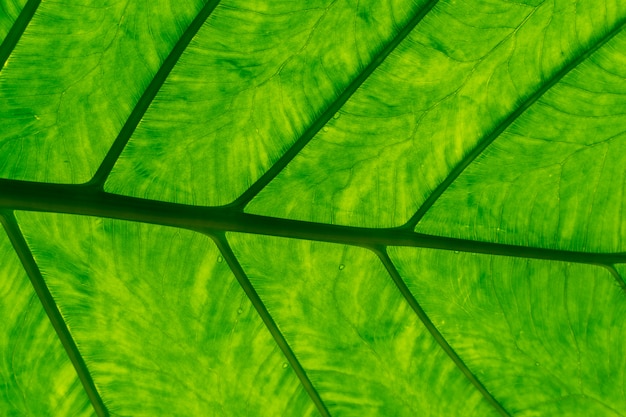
<point x="83" y="200"/>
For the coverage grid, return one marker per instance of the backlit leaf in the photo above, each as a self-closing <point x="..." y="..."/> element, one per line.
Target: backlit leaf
<point x="327" y="207"/>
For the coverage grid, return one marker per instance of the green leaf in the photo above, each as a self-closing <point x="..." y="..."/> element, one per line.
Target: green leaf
<point x="330" y="207"/>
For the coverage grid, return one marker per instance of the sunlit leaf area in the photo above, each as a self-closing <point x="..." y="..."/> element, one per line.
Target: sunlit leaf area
<point x="313" y="208"/>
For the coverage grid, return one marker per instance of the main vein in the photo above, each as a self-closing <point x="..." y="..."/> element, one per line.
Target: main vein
<point x="50" y="307"/>
<point x="330" y="111"/>
<point x="432" y="329"/>
<point x="82" y="200"/>
<point x="505" y="123"/>
<point x="242" y="278"/>
<point x="149" y="94"/>
<point x="17" y="30"/>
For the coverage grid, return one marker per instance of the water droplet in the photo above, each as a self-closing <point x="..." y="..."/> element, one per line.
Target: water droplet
<point x="239" y="311"/>
<point x="341" y="267"/>
<point x="325" y="129"/>
<point x="336" y="116"/>
<point x="536" y="363"/>
<point x="285" y="365"/>
<point x="456" y="251"/>
<point x="220" y="259"/>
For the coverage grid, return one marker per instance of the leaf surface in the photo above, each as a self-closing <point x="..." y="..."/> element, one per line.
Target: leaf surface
<point x="74" y="78"/>
<point x="547" y="321"/>
<point x="35" y="372"/>
<point x="274" y="70"/>
<point x="172" y="343"/>
<point x="10" y="12"/>
<point x="551" y="184"/>
<point x="331" y="207"/>
<point x="361" y="343"/>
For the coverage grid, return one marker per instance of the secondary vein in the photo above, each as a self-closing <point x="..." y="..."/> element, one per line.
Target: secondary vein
<point x="330" y="111"/>
<point x="17" y="30"/>
<point x="619" y="280"/>
<point x="52" y="311"/>
<point x="432" y="329"/>
<point x="148" y="96"/>
<point x="279" y="338"/>
<point x="505" y="123"/>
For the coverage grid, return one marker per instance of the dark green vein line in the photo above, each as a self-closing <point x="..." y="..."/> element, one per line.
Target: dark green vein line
<point x="17" y="30"/>
<point x="41" y="289"/>
<point x="148" y="96"/>
<point x="242" y="278"/>
<point x="241" y="202"/>
<point x="504" y="124"/>
<point x="616" y="275"/>
<point x="77" y="199"/>
<point x="432" y="329"/>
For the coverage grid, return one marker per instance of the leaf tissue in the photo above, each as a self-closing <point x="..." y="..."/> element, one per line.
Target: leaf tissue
<point x="313" y="208"/>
